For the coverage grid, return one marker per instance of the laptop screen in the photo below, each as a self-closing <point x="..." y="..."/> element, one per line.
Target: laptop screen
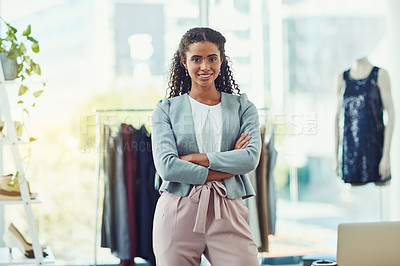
<point x="368" y="244"/>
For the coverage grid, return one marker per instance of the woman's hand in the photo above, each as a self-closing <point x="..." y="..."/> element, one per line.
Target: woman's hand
<point x="242" y="141"/>
<point x="187" y="158"/>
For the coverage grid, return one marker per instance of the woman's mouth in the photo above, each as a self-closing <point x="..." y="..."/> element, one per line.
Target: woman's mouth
<point x="204" y="76"/>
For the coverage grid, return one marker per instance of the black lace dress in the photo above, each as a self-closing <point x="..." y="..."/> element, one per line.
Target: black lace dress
<point x="363" y="129"/>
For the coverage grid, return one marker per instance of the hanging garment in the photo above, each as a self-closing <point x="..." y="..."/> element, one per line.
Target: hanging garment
<point x="146" y="197"/>
<point x="115" y="229"/>
<point x="108" y="218"/>
<point x="262" y="194"/>
<point x="266" y="194"/>
<point x="130" y="140"/>
<point x="363" y="129"/>
<point x="272" y="155"/>
<point x="120" y="199"/>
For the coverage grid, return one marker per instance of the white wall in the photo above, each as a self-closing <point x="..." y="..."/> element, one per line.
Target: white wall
<point x="393" y="30"/>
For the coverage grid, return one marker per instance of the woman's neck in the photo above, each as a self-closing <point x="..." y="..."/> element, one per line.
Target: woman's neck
<point x="206" y="96"/>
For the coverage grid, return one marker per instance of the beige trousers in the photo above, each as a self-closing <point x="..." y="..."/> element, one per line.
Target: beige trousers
<point x="204" y="222"/>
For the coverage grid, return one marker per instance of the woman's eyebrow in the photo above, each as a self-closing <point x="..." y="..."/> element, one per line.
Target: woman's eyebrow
<point x="200" y="55"/>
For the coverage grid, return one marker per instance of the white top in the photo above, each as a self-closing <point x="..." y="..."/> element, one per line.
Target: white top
<point x="207" y="125"/>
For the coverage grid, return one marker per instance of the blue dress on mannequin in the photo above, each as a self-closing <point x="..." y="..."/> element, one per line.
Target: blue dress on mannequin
<point x="363" y="129"/>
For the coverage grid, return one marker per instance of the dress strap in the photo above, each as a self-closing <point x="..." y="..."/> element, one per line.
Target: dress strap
<point x="346" y="75"/>
<point x="374" y="72"/>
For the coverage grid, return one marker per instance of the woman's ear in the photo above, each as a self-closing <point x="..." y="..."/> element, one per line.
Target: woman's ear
<point x="183" y="62"/>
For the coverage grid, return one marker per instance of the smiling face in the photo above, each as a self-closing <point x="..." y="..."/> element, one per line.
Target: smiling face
<point x="203" y="62"/>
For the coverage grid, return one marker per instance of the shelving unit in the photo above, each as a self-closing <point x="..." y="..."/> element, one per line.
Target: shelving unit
<point x="16" y="257"/>
<point x="7" y="202"/>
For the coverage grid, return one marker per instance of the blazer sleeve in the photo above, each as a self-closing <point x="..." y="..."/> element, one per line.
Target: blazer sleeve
<point x="245" y="160"/>
<point x="165" y="152"/>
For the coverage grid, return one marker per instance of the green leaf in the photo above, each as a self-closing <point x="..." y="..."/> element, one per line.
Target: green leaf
<point x="33" y="105"/>
<point x="22" y="48"/>
<point x="18" y="127"/>
<point x="16" y="174"/>
<point x="32" y="139"/>
<point x="37" y="69"/>
<point x="33" y="66"/>
<point x="26" y="111"/>
<point x="27" y="59"/>
<point x="20" y="101"/>
<point x="22" y="90"/>
<point x="14" y="30"/>
<point x="27" y="31"/>
<point x="19" y="68"/>
<point x="13" y="54"/>
<point x="37" y="93"/>
<point x="35" y="48"/>
<point x="12" y="184"/>
<point x="32" y="39"/>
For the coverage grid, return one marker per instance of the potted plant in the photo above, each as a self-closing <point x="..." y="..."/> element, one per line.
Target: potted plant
<point x="18" y="64"/>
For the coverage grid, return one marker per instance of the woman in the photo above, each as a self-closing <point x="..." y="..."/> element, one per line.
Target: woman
<point x="205" y="139"/>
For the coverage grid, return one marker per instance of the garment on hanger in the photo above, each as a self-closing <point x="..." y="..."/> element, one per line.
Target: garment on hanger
<point x="108" y="218"/>
<point x="266" y="195"/>
<point x="363" y="129"/>
<point x="129" y="194"/>
<point x="262" y="196"/>
<point x="115" y="213"/>
<point x="146" y="197"/>
<point x="120" y="200"/>
<point x="272" y="155"/>
<point x="130" y="151"/>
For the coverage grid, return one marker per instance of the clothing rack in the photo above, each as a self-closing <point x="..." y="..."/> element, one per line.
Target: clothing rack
<point x="99" y="123"/>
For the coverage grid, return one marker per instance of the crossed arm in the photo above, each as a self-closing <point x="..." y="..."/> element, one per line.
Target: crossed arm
<point x="196" y="169"/>
<point x="202" y="159"/>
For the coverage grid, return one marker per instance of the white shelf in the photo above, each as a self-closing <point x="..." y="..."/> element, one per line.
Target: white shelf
<point x="10" y="82"/>
<point x="6" y="140"/>
<point x="14" y="141"/>
<point x="5" y="202"/>
<point x="18" y="258"/>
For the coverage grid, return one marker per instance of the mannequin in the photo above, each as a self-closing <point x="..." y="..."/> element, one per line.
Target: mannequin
<point x="361" y="71"/>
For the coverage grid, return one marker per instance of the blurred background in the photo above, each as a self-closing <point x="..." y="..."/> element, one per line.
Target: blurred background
<point x="285" y="55"/>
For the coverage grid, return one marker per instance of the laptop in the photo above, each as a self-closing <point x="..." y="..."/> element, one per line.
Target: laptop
<point x="368" y="244"/>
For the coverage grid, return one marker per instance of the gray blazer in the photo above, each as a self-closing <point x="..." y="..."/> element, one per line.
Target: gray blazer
<point x="173" y="135"/>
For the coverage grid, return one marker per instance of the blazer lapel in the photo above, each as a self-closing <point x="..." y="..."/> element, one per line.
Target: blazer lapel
<point x="228" y="109"/>
<point x="189" y="123"/>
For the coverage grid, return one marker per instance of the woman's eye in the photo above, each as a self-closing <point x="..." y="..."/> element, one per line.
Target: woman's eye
<point x="196" y="60"/>
<point x="212" y="59"/>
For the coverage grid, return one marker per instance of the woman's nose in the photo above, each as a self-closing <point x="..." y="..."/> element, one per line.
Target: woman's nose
<point x="204" y="65"/>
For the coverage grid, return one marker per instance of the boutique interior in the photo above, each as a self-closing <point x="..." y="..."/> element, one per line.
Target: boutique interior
<point x="78" y="185"/>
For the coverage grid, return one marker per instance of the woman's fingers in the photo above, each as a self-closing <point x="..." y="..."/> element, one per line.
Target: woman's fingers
<point x="242" y="141"/>
<point x="246" y="142"/>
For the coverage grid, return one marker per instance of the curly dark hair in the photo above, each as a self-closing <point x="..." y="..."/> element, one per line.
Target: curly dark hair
<point x="179" y="83"/>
